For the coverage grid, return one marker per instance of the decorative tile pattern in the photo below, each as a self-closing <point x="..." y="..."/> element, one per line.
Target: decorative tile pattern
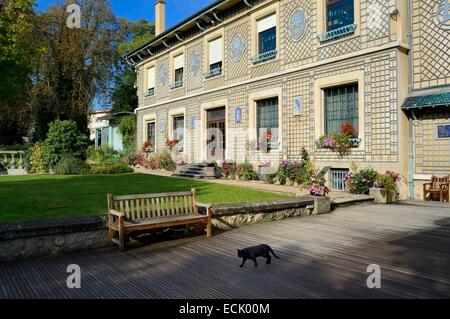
<point x="431" y="46"/>
<point x="297" y="43"/>
<point x="237" y="69"/>
<point x="377" y="19"/>
<point x="339" y="48"/>
<point x="194" y="78"/>
<point x="431" y="154"/>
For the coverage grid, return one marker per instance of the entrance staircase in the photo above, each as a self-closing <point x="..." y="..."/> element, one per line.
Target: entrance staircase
<point x="195" y="171"/>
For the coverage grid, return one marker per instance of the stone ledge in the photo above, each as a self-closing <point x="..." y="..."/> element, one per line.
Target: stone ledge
<point x="258" y="207"/>
<point x="55" y="226"/>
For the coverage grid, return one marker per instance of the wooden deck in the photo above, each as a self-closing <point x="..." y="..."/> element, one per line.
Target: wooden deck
<point x="321" y="257"/>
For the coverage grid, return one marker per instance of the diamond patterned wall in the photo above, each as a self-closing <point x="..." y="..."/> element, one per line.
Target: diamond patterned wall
<point x="339" y="48"/>
<point x="291" y="50"/>
<point x="237" y="71"/>
<point x="377" y="19"/>
<point x="431" y="47"/>
<point x="194" y="80"/>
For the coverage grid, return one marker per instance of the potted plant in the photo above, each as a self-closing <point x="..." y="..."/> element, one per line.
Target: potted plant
<point x="384" y="189"/>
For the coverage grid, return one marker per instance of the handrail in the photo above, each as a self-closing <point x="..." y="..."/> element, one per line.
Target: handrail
<point x="336" y="33"/>
<point x="264" y="56"/>
<point x="213" y="72"/>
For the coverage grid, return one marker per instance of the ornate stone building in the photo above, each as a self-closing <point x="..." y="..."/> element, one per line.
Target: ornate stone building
<point x="284" y="73"/>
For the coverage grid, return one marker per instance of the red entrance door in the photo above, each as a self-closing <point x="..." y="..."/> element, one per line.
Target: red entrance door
<point x="215" y="132"/>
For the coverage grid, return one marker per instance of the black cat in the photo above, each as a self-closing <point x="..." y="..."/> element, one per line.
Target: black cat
<point x="256" y="251"/>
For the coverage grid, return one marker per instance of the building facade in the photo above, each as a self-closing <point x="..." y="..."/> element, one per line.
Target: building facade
<point x="261" y="80"/>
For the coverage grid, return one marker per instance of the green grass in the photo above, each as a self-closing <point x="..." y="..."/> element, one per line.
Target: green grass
<point x="45" y="196"/>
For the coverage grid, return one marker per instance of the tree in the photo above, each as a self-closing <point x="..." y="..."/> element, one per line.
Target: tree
<point x="64" y="140"/>
<point x="124" y="96"/>
<point x="77" y="66"/>
<point x="17" y="53"/>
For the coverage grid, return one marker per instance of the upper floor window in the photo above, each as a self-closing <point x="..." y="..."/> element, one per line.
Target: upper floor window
<point x="267" y="35"/>
<point x="215" y="57"/>
<point x="340" y="13"/>
<point x="341" y="105"/>
<point x="178" y="66"/>
<point x="150" y="81"/>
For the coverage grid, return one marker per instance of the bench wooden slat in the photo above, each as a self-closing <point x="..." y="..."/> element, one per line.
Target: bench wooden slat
<point x="160" y="195"/>
<point x="149" y="211"/>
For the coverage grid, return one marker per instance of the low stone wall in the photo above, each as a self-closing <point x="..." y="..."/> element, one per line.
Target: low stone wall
<point x="55" y="236"/>
<point x="230" y="216"/>
<point x="50" y="237"/>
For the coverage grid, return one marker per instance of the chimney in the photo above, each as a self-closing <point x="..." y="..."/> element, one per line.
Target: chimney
<point x="160" y="17"/>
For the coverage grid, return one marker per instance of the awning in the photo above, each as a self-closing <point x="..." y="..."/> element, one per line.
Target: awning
<point x="114" y="116"/>
<point x="427" y="99"/>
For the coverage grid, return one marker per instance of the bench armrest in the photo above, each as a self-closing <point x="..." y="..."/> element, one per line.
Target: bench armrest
<point x="444" y="187"/>
<point x="206" y="207"/>
<point x="116" y="213"/>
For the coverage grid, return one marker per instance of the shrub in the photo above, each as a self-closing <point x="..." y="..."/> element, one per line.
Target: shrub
<point x="64" y="140"/>
<point x="107" y="155"/>
<point x="165" y="161"/>
<point x="270" y="178"/>
<point x="35" y="159"/>
<point x="16" y="147"/>
<point x="127" y="127"/>
<point x="101" y="169"/>
<point x="388" y="181"/>
<point x="72" y="166"/>
<point x="360" y="182"/>
<point x="229" y="169"/>
<point x="246" y="172"/>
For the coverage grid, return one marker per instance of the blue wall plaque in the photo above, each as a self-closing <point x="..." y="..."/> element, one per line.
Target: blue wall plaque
<point x="297" y="106"/>
<point x="443" y="131"/>
<point x="162" y="126"/>
<point x="193" y="122"/>
<point x="238" y="115"/>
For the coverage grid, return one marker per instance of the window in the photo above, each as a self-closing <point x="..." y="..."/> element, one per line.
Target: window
<point x="178" y="128"/>
<point x="341" y="105"/>
<point x="178" y="63"/>
<point x="337" y="179"/>
<point x="267" y="123"/>
<point x="267" y="35"/>
<point x="340" y="13"/>
<point x="215" y="57"/>
<point x="151" y="135"/>
<point x="150" y="81"/>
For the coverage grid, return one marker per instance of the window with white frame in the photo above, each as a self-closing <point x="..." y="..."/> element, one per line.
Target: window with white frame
<point x="267" y="36"/>
<point x="267" y="123"/>
<point x="178" y="66"/>
<point x="215" y="57"/>
<point x="340" y="106"/>
<point x="150" y="81"/>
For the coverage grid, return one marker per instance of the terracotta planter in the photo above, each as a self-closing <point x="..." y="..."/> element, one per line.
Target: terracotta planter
<point x="381" y="195"/>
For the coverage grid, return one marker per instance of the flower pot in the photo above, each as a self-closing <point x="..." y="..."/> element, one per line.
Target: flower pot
<point x="381" y="195"/>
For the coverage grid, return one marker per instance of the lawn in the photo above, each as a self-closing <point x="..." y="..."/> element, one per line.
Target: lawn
<point x="45" y="196"/>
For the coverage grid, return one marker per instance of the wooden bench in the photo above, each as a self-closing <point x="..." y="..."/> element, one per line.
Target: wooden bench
<point x="131" y="213"/>
<point x="438" y="185"/>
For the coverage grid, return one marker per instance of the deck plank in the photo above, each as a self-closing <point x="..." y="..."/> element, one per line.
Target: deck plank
<point x="321" y="257"/>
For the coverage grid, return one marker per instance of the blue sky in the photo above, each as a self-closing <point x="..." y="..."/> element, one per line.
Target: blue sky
<point x="176" y="10"/>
